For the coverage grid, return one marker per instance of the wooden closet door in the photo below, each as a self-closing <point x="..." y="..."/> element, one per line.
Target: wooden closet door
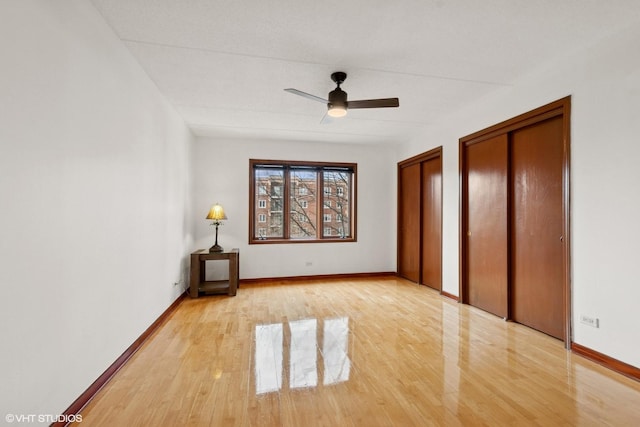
<point x="432" y="223"/>
<point x="537" y="292"/>
<point x="409" y="223"/>
<point x="487" y="225"/>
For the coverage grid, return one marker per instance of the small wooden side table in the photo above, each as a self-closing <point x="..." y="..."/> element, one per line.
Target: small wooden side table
<point x="198" y="283"/>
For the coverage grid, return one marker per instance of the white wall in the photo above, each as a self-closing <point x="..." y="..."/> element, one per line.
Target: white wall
<point x="95" y="218"/>
<point x="604" y="82"/>
<point x="222" y="175"/>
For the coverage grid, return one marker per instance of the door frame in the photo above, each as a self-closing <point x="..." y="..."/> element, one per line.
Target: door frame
<point x="562" y="108"/>
<point x="417" y="159"/>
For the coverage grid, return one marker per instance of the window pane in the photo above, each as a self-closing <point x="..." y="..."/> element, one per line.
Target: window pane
<point x="268" y="193"/>
<point x="337" y="186"/>
<point x="302" y="203"/>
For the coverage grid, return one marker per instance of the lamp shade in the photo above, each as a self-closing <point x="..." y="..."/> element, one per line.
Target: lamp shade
<point x="216" y="213"/>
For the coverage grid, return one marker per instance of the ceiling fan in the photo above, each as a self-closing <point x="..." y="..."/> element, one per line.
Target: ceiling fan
<point x="337" y="103"/>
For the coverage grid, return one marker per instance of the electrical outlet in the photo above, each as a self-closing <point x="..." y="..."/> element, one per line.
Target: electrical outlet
<point x="591" y="321"/>
<point x="308" y="264"/>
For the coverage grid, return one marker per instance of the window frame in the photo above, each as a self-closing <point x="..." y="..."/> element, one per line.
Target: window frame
<point x="320" y="167"/>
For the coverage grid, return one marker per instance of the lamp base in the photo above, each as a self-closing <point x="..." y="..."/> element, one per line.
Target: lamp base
<point x="216" y="248"/>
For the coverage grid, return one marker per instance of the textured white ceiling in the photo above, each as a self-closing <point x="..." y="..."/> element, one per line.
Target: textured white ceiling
<point x="224" y="64"/>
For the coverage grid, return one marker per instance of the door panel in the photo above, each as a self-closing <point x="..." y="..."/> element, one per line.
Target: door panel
<point x="409" y="223"/>
<point x="432" y="223"/>
<point x="487" y="225"/>
<point x="537" y="222"/>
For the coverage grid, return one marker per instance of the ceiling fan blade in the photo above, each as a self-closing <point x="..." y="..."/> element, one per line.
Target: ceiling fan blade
<point x="326" y="119"/>
<point x="306" y="95"/>
<point x="374" y="103"/>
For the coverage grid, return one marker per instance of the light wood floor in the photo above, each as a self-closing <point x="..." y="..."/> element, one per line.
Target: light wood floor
<point x="355" y="353"/>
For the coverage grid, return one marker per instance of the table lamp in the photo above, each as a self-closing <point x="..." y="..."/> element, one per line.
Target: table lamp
<point x="216" y="213"/>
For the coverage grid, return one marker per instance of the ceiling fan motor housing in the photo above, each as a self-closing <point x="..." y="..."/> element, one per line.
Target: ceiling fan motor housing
<point x="337" y="98"/>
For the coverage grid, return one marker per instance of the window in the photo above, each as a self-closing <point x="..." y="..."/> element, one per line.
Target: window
<point x="299" y="211"/>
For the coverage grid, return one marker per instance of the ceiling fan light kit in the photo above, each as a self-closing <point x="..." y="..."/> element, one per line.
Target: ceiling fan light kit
<point x="337" y="104"/>
<point x="337" y="111"/>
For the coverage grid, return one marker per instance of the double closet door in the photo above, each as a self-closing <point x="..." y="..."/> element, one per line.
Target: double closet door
<point x="420" y="219"/>
<point x="514" y="253"/>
